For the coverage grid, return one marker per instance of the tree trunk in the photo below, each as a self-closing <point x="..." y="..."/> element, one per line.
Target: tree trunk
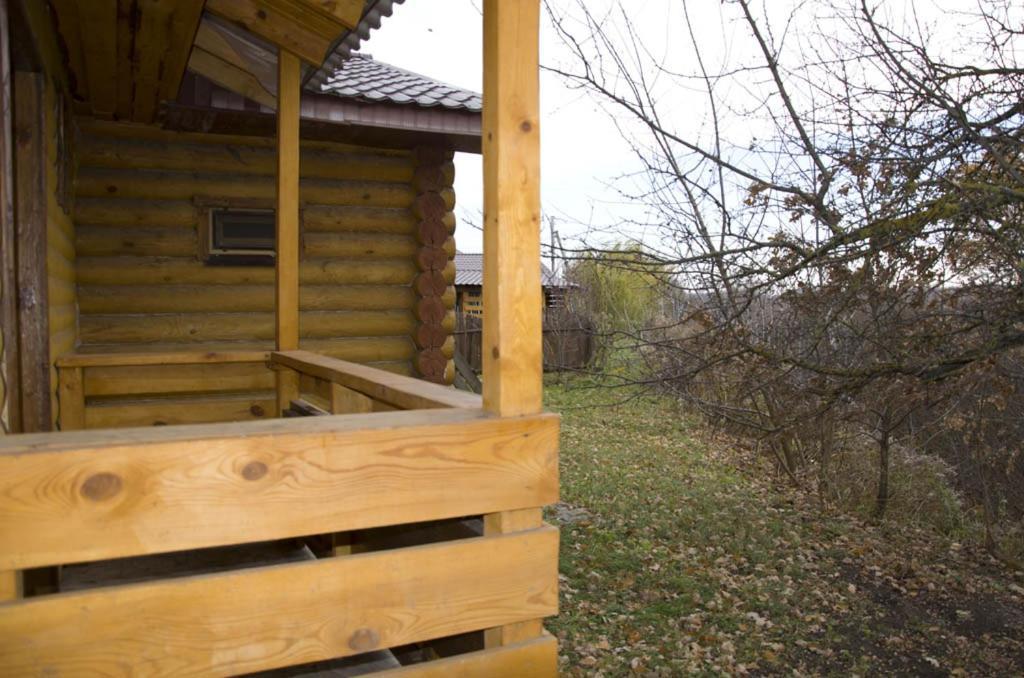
<point x="882" y="497"/>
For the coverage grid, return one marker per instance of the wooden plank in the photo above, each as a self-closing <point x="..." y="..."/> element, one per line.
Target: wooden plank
<point x="200" y="327"/>
<point x="183" y="270"/>
<point x="164" y="32"/>
<point x="184" y="410"/>
<point x="98" y="29"/>
<point x="113" y="299"/>
<point x="184" y="22"/>
<point x="69" y="27"/>
<point x="90" y="495"/>
<point x="512" y="360"/>
<point x="390" y="351"/>
<point x="177" y="358"/>
<point x="72" y="399"/>
<point x="167" y="379"/>
<point x="286" y="298"/>
<point x="405" y="393"/>
<point x="537" y="658"/>
<point x="261" y="618"/>
<point x="102" y="182"/>
<point x="509" y="522"/>
<point x="278" y="22"/>
<point x="30" y="215"/>
<point x="243" y="156"/>
<point x="10" y="370"/>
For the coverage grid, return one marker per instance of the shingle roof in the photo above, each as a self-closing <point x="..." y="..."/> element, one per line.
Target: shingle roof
<point x="364" y="79"/>
<point x="374" y="13"/>
<point x="469" y="270"/>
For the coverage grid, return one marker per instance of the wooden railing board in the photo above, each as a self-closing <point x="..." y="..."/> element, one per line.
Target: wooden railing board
<point x="405" y="393"/>
<point x="90" y="495"/>
<point x="268" y="617"/>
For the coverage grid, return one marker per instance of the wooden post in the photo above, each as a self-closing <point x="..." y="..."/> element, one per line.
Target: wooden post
<point x="30" y="219"/>
<point x="72" y="398"/>
<point x="346" y="401"/>
<point x="512" y="356"/>
<point x="511" y="149"/>
<point x="10" y="371"/>
<point x="287" y="293"/>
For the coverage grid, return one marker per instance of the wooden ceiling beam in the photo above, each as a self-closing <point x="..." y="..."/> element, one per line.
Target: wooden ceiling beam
<point x="162" y="40"/>
<point x="69" y="26"/>
<point x="301" y="27"/>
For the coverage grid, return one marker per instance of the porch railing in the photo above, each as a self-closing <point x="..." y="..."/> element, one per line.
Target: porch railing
<point x="94" y="495"/>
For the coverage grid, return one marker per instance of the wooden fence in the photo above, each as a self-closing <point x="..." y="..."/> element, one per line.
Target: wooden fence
<point x="568" y="340"/>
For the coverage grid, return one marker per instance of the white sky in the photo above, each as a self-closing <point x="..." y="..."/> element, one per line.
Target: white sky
<point x="583" y="154"/>
<point x="580" y="150"/>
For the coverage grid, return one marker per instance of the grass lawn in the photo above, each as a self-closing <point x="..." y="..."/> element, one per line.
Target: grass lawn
<point x="682" y="555"/>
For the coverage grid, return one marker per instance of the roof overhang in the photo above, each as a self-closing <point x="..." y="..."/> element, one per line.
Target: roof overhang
<point x="206" y="107"/>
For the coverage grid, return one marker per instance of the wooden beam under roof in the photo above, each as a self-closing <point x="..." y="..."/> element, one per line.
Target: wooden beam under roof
<point x="228" y="75"/>
<point x="306" y="28"/>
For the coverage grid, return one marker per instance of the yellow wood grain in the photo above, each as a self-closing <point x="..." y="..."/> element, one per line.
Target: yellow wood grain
<point x="511" y="150"/>
<point x="245" y="157"/>
<point x="90" y="495"/>
<point x="11" y="585"/>
<point x="164" y="32"/>
<point x="164" y="185"/>
<point x="163" y="358"/>
<point x="182" y="270"/>
<point x="402" y="392"/>
<point x="509" y="522"/>
<point x="113" y="299"/>
<point x="202" y="327"/>
<point x="356" y="245"/>
<point x="167" y="411"/>
<point x="230" y="623"/>
<point x="167" y="379"/>
<point x="391" y="350"/>
<point x="285" y="24"/>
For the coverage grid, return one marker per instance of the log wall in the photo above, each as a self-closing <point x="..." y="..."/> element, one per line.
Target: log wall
<point x="142" y="285"/>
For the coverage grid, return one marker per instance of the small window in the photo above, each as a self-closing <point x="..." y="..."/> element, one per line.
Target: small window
<point x="242" y="237"/>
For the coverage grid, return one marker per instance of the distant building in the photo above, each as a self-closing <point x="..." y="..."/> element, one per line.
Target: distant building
<point x="469" y="280"/>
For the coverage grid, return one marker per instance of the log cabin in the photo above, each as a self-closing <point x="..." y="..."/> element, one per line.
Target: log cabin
<point x="230" y="442"/>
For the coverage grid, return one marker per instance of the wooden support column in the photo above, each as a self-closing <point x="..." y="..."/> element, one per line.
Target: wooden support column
<point x="10" y="371"/>
<point x="287" y="293"/>
<point x="512" y="359"/>
<point x="512" y="362"/>
<point x="30" y="220"/>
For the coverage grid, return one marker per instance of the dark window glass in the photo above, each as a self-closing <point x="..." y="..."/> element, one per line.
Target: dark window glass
<point x="245" y="230"/>
<point x="241" y="237"/>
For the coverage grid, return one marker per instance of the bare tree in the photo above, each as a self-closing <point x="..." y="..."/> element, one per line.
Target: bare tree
<point x="844" y="222"/>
